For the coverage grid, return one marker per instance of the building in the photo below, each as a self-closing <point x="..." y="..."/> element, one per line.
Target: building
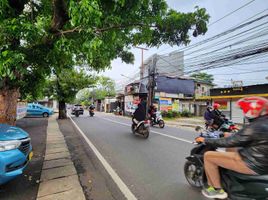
<point x="171" y="94"/>
<point x="166" y="65"/>
<point x="227" y="98"/>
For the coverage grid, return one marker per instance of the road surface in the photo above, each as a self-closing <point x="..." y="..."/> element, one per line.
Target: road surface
<point x="150" y="168"/>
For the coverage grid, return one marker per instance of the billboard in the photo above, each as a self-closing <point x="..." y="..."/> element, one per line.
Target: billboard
<point x="165" y="104"/>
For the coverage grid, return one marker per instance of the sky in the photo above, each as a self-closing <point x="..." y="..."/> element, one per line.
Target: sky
<point x="250" y="73"/>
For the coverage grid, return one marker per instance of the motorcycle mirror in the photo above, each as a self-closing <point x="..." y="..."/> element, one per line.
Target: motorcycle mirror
<point x="198" y="129"/>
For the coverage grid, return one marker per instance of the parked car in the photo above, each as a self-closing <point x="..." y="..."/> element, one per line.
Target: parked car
<point x="15" y="152"/>
<point x="78" y="107"/>
<point x="38" y="110"/>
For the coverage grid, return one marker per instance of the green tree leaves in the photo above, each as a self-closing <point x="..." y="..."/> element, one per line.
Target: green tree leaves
<point x="202" y="76"/>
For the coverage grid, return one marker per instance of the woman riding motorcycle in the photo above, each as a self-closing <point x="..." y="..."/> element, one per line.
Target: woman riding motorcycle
<point x="251" y="155"/>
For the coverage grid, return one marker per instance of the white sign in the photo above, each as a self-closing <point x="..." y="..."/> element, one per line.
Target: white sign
<point x="21" y="110"/>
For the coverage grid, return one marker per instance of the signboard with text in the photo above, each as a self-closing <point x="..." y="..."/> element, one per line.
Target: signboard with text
<point x="165" y="104"/>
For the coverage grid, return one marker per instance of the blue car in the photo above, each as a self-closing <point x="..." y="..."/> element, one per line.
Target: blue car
<point x="15" y="152"/>
<point x="38" y="110"/>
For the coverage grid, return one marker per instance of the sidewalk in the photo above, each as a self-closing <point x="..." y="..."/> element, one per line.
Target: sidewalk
<point x="59" y="179"/>
<point x="191" y="122"/>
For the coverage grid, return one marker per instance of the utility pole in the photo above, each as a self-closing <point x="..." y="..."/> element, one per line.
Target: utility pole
<point x="142" y="65"/>
<point x="151" y="82"/>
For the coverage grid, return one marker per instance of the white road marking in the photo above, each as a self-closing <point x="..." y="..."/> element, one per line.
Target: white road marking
<point x="121" y="185"/>
<point x="162" y="134"/>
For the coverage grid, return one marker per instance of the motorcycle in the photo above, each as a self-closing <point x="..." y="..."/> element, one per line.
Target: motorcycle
<point x="77" y="113"/>
<point x="141" y="128"/>
<point x="238" y="186"/>
<point x="91" y="112"/>
<point x="226" y="126"/>
<point x="159" y="120"/>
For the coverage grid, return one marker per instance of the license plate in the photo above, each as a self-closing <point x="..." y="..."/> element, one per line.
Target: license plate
<point x="30" y="156"/>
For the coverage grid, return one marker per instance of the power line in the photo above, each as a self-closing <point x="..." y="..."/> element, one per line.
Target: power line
<point x="244" y="21"/>
<point x="231" y="13"/>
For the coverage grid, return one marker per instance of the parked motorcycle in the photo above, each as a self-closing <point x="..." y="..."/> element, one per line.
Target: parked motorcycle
<point x="158" y="121"/>
<point x="238" y="186"/>
<point x="141" y="128"/>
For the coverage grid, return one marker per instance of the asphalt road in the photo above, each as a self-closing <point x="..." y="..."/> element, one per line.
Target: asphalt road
<point x="151" y="168"/>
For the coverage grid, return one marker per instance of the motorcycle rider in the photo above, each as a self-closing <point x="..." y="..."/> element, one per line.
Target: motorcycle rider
<point x="152" y="112"/>
<point x="216" y="110"/>
<point x="251" y="155"/>
<point x="208" y="116"/>
<point x="91" y="108"/>
<point x="140" y="113"/>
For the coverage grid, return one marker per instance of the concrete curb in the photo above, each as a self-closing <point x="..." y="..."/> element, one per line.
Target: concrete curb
<point x="59" y="179"/>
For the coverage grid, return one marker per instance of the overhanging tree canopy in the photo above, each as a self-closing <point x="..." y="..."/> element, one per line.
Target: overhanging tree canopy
<point x="37" y="36"/>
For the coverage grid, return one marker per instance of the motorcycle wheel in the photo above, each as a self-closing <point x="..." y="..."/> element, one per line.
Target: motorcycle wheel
<point x="133" y="128"/>
<point x="194" y="174"/>
<point x="161" y="124"/>
<point x="145" y="133"/>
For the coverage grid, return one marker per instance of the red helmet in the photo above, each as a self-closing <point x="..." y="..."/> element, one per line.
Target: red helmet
<point x="216" y="106"/>
<point x="253" y="107"/>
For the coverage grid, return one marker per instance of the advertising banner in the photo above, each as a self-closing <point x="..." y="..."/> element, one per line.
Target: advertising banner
<point x="131" y="103"/>
<point x="165" y="104"/>
<point x="223" y="103"/>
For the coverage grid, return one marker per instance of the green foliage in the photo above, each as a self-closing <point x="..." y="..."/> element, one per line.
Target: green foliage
<point x="202" y="76"/>
<point x="186" y="113"/>
<point x="64" y="86"/>
<point x="104" y="87"/>
<point x="174" y="114"/>
<point x="37" y="37"/>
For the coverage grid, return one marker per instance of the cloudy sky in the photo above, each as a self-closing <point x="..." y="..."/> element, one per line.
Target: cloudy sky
<point x="254" y="72"/>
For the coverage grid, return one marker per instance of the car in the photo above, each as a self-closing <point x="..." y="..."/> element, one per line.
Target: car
<point x="15" y="152"/>
<point x="38" y="110"/>
<point x="78" y="107"/>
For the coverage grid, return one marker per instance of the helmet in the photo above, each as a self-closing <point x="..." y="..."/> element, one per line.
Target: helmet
<point x="209" y="108"/>
<point x="253" y="107"/>
<point x="216" y="106"/>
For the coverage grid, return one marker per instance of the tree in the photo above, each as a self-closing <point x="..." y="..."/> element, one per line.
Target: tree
<point x="39" y="36"/>
<point x="65" y="85"/>
<point x="104" y="87"/>
<point x="202" y="76"/>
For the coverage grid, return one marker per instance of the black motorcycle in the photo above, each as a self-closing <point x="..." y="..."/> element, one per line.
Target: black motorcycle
<point x="141" y="128"/>
<point x="91" y="112"/>
<point x="77" y="113"/>
<point x="238" y="186"/>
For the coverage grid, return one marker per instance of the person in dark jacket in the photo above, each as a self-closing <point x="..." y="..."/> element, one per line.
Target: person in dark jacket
<point x="152" y="112"/>
<point x="251" y="143"/>
<point x="208" y="116"/>
<point x="140" y="112"/>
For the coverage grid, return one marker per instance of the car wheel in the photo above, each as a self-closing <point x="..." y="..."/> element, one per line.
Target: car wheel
<point x="45" y="114"/>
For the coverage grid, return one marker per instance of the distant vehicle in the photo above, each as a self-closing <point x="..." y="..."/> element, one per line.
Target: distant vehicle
<point x="38" y="110"/>
<point x="78" y="107"/>
<point x="15" y="152"/>
<point x="158" y="121"/>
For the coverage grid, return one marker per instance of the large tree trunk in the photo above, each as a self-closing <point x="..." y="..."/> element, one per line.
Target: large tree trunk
<point x="8" y="106"/>
<point x="62" y="110"/>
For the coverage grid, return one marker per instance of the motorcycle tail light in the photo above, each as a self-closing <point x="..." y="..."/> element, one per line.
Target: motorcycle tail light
<point x="146" y="121"/>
